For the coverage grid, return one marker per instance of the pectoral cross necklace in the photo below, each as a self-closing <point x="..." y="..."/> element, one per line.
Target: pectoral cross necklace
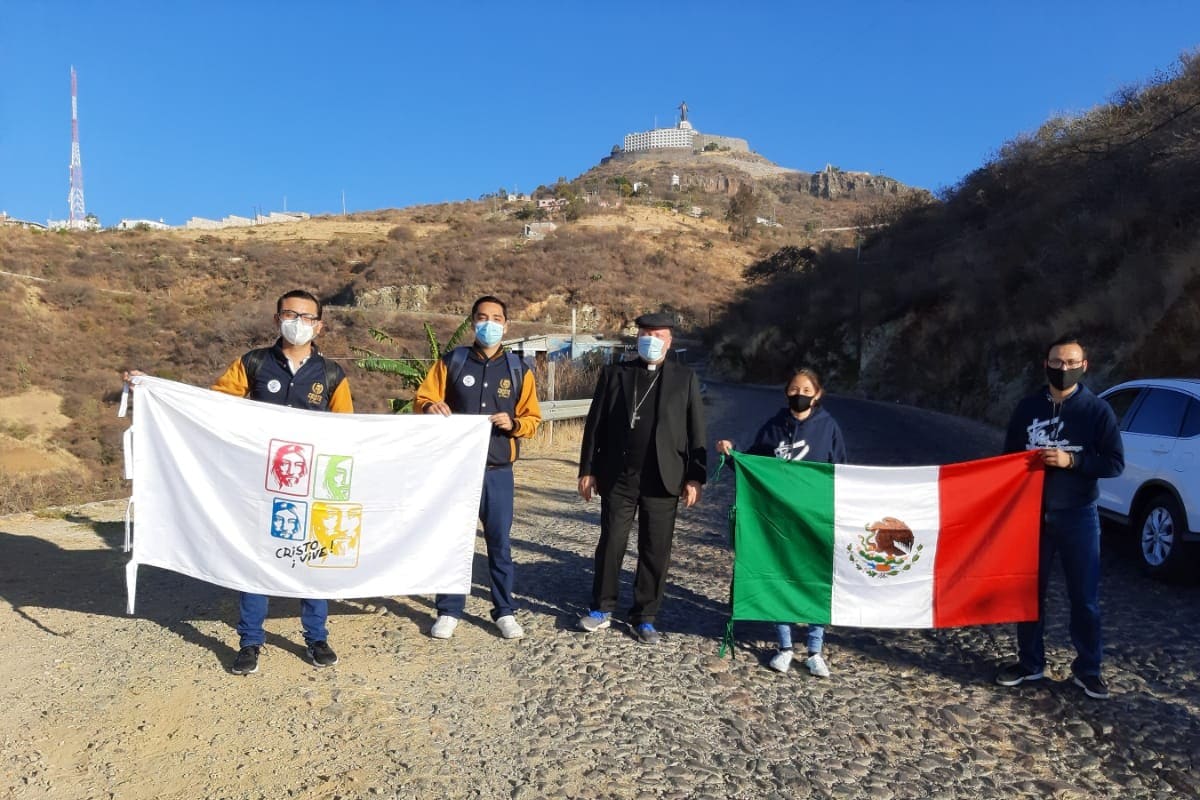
<point x="633" y="420"/>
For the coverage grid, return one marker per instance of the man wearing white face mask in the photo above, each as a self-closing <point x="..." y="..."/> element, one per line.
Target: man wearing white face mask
<point x="643" y="450"/>
<point x="291" y="373"/>
<point x="486" y="379"/>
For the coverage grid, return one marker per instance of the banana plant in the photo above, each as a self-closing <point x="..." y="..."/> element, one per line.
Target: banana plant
<point x="410" y="369"/>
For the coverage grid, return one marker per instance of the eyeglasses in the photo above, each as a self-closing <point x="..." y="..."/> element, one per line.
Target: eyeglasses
<point x="289" y="315"/>
<point x="1058" y="363"/>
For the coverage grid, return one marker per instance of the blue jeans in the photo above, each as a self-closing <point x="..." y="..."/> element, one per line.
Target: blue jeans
<point x="1074" y="534"/>
<point x="496" y="514"/>
<point x="816" y="637"/>
<point x="313" y="614"/>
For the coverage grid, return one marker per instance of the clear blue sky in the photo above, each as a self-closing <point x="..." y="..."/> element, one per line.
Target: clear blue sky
<point x="211" y="108"/>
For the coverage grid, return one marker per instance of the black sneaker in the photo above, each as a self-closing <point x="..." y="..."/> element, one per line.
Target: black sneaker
<point x="321" y="654"/>
<point x="246" y="661"/>
<point x="1013" y="674"/>
<point x="646" y="634"/>
<point x="1092" y="686"/>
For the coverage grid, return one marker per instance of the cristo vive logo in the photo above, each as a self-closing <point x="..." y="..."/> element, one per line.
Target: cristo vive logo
<point x="887" y="548"/>
<point x="316" y="524"/>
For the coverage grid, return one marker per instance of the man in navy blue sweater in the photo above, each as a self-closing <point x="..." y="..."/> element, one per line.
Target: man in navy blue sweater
<point x="1080" y="442"/>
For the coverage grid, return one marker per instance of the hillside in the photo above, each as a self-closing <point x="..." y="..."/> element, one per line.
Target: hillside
<point x="184" y="304"/>
<point x="1088" y="224"/>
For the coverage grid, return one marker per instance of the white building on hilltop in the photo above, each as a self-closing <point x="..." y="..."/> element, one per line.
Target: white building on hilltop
<point x="680" y="137"/>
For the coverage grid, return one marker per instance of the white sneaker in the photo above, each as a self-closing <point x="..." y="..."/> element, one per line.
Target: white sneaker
<point x="782" y="661"/>
<point x="509" y="627"/>
<point x="444" y="627"/>
<point x="816" y="665"/>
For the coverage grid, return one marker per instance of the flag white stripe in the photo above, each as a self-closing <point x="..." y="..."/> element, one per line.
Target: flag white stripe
<point x="204" y="504"/>
<point x="899" y="597"/>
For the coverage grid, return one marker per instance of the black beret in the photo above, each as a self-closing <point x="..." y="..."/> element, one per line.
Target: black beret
<point x="660" y="319"/>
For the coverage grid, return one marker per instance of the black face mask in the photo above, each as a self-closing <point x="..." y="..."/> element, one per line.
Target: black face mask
<point x="1063" y="379"/>
<point x="799" y="402"/>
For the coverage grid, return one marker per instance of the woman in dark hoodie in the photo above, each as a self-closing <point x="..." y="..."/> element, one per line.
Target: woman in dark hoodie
<point x="804" y="431"/>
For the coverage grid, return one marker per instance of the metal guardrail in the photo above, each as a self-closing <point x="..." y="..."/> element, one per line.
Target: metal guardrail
<point x="564" y="409"/>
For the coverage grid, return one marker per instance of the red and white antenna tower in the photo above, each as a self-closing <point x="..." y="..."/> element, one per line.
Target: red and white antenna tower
<point x="78" y="216"/>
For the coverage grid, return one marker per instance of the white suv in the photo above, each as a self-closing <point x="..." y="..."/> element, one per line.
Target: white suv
<point x="1158" y="495"/>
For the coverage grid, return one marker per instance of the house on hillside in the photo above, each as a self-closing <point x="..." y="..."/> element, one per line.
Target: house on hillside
<point x="563" y="347"/>
<point x="538" y="230"/>
<point x="5" y="219"/>
<point x="143" y="224"/>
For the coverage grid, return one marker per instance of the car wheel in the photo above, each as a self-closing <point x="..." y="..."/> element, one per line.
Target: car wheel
<point x="1160" y="535"/>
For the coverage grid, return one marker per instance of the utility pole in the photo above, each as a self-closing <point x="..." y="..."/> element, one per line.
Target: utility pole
<point x="858" y="320"/>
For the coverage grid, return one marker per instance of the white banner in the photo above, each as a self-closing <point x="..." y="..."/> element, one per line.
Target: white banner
<point x="294" y="503"/>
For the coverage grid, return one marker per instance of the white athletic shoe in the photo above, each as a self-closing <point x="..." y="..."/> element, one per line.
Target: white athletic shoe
<point x="444" y="627"/>
<point x="782" y="661"/>
<point x="509" y="627"/>
<point x="816" y="665"/>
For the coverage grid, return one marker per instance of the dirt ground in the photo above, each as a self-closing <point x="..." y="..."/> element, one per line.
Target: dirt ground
<point x="102" y="704"/>
<point x="26" y="422"/>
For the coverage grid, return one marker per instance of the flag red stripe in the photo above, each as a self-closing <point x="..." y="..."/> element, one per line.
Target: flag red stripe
<point x="986" y="567"/>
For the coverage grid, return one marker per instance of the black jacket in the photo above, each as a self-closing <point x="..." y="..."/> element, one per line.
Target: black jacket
<point x="1083" y="425"/>
<point x="817" y="438"/>
<point x="679" y="435"/>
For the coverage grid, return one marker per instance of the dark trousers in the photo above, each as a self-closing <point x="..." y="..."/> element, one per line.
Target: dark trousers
<point x="496" y="514"/>
<point x="1074" y="534"/>
<point x="253" y="608"/>
<point x="656" y="531"/>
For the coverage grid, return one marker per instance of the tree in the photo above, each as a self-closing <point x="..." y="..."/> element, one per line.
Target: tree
<point x="412" y="370"/>
<point x="787" y="259"/>
<point x="623" y="185"/>
<point x="574" y="209"/>
<point x="743" y="208"/>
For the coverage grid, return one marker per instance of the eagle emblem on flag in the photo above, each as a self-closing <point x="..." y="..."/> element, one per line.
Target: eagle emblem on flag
<point x="887" y="547"/>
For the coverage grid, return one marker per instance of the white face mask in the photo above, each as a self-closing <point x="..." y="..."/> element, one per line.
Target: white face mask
<point x="489" y="332"/>
<point x="297" y="331"/>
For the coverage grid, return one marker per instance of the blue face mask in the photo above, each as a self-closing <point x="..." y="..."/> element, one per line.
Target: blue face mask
<point x="651" y="348"/>
<point x="489" y="333"/>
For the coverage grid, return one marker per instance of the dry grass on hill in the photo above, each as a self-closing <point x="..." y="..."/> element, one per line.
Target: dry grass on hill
<point x="1087" y="225"/>
<point x="183" y="304"/>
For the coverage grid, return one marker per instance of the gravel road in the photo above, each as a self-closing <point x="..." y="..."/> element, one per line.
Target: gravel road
<point x="100" y="704"/>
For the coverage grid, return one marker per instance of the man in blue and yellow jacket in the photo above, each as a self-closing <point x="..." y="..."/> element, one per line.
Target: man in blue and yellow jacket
<point x="485" y="379"/>
<point x="293" y="373"/>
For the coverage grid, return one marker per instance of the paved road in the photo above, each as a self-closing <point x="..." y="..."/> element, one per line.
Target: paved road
<point x="886" y="434"/>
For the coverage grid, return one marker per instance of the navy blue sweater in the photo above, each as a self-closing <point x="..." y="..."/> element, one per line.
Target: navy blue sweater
<point x="1083" y="425"/>
<point x="817" y="438"/>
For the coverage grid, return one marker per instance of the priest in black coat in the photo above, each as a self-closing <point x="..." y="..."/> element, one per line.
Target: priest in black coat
<point x="644" y="450"/>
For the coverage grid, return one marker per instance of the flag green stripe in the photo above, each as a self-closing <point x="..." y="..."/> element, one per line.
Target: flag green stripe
<point x="783" y="540"/>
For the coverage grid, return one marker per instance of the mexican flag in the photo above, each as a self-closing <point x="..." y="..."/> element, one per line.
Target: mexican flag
<point x="887" y="547"/>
